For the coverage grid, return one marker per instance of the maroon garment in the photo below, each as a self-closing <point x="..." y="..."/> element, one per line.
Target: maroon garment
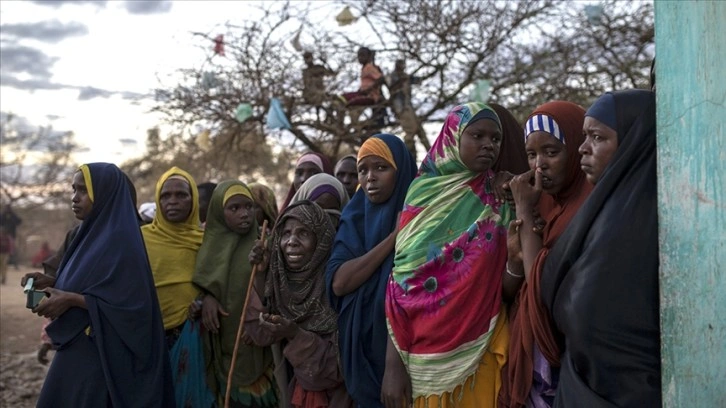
<point x="313" y="358"/>
<point x="529" y="321"/>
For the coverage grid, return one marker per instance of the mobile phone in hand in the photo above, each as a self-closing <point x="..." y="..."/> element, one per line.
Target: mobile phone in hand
<point x="34" y="297"/>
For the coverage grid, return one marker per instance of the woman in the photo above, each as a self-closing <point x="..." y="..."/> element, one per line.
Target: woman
<point x="553" y="134"/>
<point x="444" y="302"/>
<point x="223" y="273"/>
<point x="600" y="280"/>
<point x="172" y="241"/>
<point x="103" y="305"/>
<point x="265" y="204"/>
<point x="361" y="262"/>
<point x="325" y="191"/>
<point x="298" y="312"/>
<point x="308" y="165"/>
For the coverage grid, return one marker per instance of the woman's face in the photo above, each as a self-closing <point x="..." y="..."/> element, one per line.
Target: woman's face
<point x="238" y="213"/>
<point x="598" y="149"/>
<point x="303" y="172"/>
<point x="175" y="199"/>
<point x="81" y="201"/>
<point x="377" y="178"/>
<point x="479" y="145"/>
<point x="548" y="154"/>
<point x="297" y="243"/>
<point x="347" y="174"/>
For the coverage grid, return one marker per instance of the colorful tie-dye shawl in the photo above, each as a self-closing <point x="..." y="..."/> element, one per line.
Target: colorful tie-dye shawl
<point x="444" y="296"/>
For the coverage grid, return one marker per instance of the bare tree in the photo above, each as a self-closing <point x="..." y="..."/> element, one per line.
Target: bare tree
<point x="35" y="163"/>
<point x="530" y="52"/>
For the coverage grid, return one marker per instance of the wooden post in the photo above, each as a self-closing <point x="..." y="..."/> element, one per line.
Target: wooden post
<point x="691" y="117"/>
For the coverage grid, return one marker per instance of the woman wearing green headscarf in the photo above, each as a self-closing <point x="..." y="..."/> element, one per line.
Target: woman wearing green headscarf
<point x="223" y="273"/>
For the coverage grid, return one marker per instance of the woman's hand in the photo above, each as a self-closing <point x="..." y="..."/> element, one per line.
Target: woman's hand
<point x="514" y="244"/>
<point x="279" y="326"/>
<point x="58" y="303"/>
<point x="396" y="387"/>
<point x="195" y="309"/>
<point x="40" y="280"/>
<point x="259" y="255"/>
<point x="211" y="309"/>
<point x="525" y="194"/>
<point x="502" y="190"/>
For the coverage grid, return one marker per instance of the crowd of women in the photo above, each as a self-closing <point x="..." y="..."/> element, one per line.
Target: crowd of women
<point x="515" y="267"/>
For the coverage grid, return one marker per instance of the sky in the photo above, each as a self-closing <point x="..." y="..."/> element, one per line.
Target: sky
<point x="91" y="66"/>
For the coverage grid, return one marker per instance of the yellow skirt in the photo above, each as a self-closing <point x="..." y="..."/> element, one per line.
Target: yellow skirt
<point x="481" y="389"/>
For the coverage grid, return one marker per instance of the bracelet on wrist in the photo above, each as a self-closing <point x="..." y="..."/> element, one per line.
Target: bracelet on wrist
<point x="512" y="274"/>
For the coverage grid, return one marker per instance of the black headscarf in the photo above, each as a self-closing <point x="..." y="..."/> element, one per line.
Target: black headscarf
<point x="600" y="281"/>
<point x="512" y="155"/>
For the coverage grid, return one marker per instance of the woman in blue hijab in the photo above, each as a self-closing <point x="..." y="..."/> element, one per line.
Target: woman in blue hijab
<point x="106" y="324"/>
<point x="364" y="247"/>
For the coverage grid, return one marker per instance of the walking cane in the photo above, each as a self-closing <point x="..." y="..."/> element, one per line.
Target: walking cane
<point x="242" y="322"/>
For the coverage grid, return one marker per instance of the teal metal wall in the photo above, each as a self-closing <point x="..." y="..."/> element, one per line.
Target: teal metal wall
<point x="691" y="98"/>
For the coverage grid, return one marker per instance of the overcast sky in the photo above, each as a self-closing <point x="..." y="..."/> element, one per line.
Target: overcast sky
<point x="90" y="66"/>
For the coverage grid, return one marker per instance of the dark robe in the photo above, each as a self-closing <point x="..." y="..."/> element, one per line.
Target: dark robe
<point x="112" y="353"/>
<point x="600" y="280"/>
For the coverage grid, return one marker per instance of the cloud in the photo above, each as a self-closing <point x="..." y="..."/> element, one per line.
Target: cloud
<point x="16" y="59"/>
<point x="128" y="141"/>
<point x="59" y="3"/>
<point x="29" y="84"/>
<point x="30" y="136"/>
<point x="51" y="31"/>
<point x="148" y="6"/>
<point x="88" y="92"/>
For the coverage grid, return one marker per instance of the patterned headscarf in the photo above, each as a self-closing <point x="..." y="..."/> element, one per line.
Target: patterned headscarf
<point x="265" y="198"/>
<point x="300" y="295"/>
<point x="450" y="254"/>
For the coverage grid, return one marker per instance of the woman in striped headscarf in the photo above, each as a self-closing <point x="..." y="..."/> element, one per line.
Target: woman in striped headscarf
<point x="553" y="134"/>
<point x="446" y="319"/>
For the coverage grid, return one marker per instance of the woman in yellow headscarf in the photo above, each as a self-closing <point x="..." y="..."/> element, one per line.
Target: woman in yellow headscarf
<point x="172" y="241"/>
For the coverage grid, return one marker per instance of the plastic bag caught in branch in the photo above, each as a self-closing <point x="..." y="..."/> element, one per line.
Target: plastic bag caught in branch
<point x="276" y="118"/>
<point x="345" y="17"/>
<point x="243" y="112"/>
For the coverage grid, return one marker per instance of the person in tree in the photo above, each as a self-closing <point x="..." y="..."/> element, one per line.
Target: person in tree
<point x="371" y="80"/>
<point x="399" y="84"/>
<point x="314" y="81"/>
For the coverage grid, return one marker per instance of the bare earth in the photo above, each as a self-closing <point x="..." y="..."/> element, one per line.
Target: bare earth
<point x="21" y="376"/>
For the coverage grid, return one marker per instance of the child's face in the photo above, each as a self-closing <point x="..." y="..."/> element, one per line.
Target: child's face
<point x="238" y="213"/>
<point x="364" y="56"/>
<point x="377" y="178"/>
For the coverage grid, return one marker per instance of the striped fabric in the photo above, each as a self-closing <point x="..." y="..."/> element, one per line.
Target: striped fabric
<point x="543" y="123"/>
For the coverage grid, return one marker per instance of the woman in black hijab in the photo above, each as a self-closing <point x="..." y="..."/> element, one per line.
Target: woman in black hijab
<point x="600" y="281"/>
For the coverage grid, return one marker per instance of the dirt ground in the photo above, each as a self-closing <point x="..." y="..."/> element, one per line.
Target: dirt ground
<point x="21" y="375"/>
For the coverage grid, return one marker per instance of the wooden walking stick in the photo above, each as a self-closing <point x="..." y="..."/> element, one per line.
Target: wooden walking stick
<point x="242" y="321"/>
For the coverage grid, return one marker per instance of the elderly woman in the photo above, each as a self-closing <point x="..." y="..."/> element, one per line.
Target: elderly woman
<point x="298" y="313"/>
<point x="600" y="280"/>
<point x="103" y="305"/>
<point x="446" y="319"/>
